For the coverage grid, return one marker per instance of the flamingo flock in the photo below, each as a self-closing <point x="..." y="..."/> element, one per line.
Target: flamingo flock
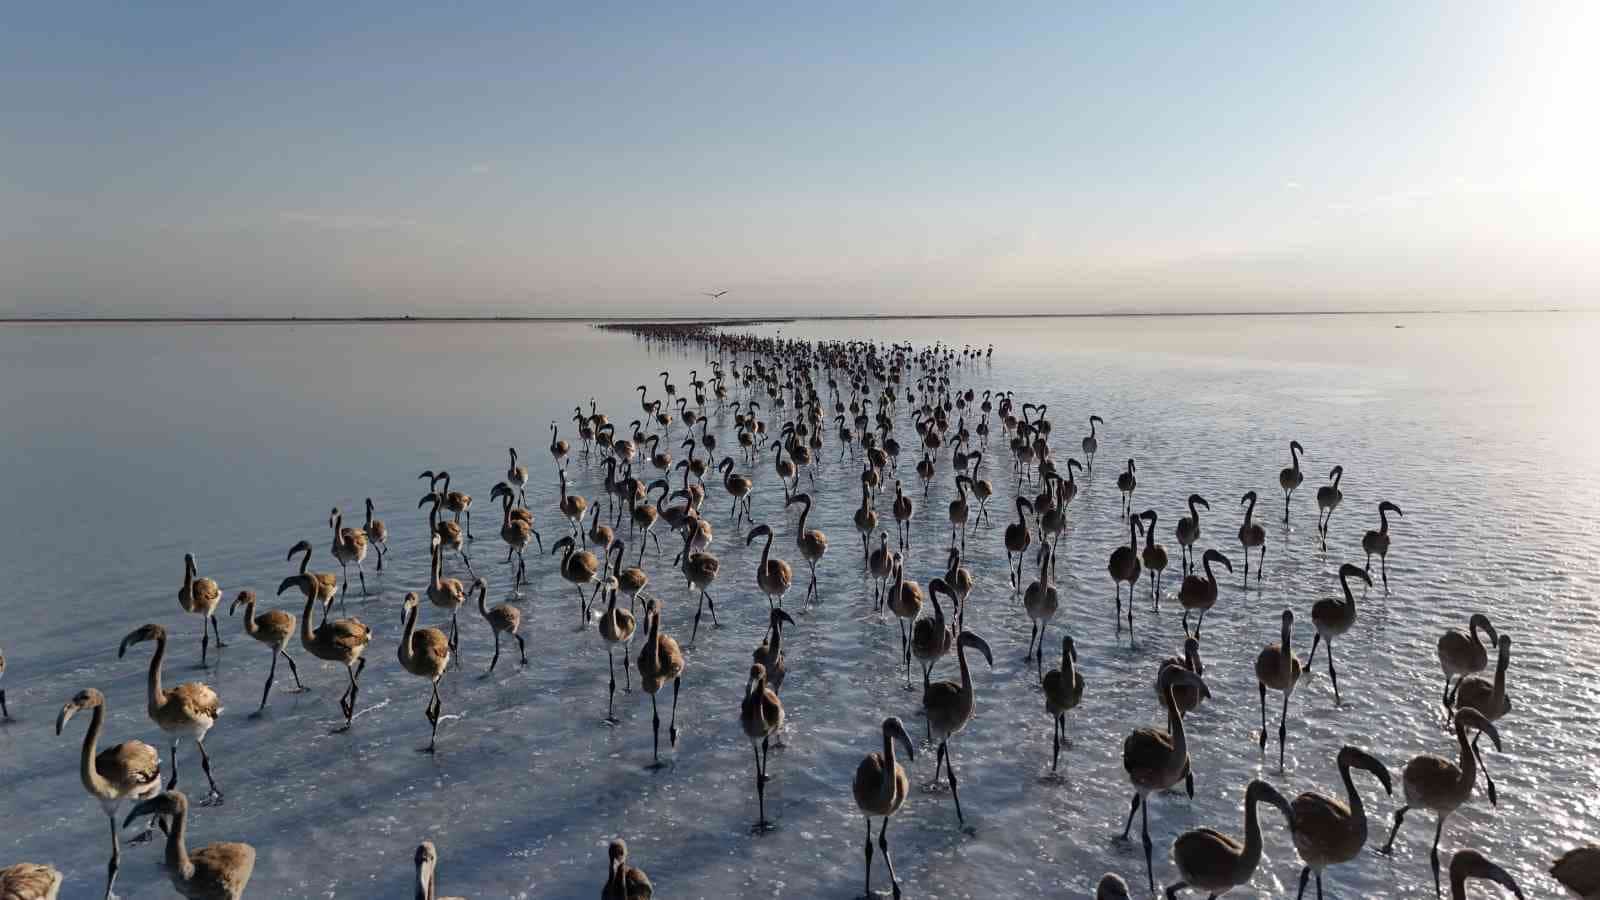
<point x="881" y="404"/>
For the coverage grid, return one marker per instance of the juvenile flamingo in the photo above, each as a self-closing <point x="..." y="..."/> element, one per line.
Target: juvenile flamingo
<point x="1063" y="691"/>
<point x="880" y="788"/>
<point x="1279" y="668"/>
<point x="1441" y="786"/>
<point x="1332" y="618"/>
<point x="1329" y="831"/>
<point x="1252" y="534"/>
<point x="1291" y="478"/>
<point x="1378" y="541"/>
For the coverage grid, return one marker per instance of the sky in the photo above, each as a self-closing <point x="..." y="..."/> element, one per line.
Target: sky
<point x="850" y="158"/>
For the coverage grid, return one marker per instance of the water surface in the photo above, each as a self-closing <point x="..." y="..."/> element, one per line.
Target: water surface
<point x="128" y="446"/>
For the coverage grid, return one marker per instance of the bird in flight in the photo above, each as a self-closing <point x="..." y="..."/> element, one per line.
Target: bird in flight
<point x="716" y="296"/>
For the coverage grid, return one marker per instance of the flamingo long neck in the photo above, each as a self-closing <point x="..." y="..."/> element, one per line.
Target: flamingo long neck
<point x="436" y="566"/>
<point x="1498" y="698"/>
<point x="1150" y="537"/>
<point x="250" y="625"/>
<point x="177" y="846"/>
<point x="1069" y="670"/>
<point x="1383" y="520"/>
<point x="805" y="510"/>
<point x="188" y="576"/>
<point x="766" y="551"/>
<point x="305" y="558"/>
<point x="407" y="654"/>
<point x="1194" y="512"/>
<point x="1133" y="534"/>
<point x="1249" y="511"/>
<point x="369" y="515"/>
<point x="1294" y="454"/>
<point x="483" y="603"/>
<point x="1180" y="740"/>
<point x="306" y="634"/>
<point x="86" y="769"/>
<point x="1251" y="857"/>
<point x="1358" y="810"/>
<point x="776" y="644"/>
<point x="887" y="786"/>
<point x="424" y="882"/>
<point x="938" y="611"/>
<point x="1469" y="760"/>
<point x="156" y="695"/>
<point x="1337" y="475"/>
<point x="966" y="672"/>
<point x="655" y="638"/>
<point x="1210" y="575"/>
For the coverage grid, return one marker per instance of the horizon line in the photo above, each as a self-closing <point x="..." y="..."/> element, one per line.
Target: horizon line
<point x="739" y="320"/>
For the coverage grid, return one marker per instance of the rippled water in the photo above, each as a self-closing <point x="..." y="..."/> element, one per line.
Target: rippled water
<point x="128" y="446"/>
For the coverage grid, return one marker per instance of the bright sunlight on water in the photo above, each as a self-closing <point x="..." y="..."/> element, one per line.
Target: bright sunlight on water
<point x="129" y="446"/>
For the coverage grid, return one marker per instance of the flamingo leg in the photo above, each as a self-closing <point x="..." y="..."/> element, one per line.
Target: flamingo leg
<point x="1333" y="675"/>
<point x="883" y="847"/>
<point x="672" y="730"/>
<point x="1262" y="688"/>
<point x="950" y="772"/>
<point x="867" y="890"/>
<point x="1283" y="729"/>
<point x="268" y="688"/>
<point x="655" y="723"/>
<point x="1144" y="824"/>
<point x="116" y="859"/>
<point x="293" y="669"/>
<point x="214" y="798"/>
<point x="611" y="666"/>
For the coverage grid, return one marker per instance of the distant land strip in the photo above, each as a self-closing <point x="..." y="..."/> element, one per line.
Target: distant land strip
<point x="730" y="321"/>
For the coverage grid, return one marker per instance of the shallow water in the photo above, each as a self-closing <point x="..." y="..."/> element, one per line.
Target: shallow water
<point x="129" y="446"/>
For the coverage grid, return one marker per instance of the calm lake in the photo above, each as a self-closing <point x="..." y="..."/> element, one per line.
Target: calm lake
<point x="128" y="446"/>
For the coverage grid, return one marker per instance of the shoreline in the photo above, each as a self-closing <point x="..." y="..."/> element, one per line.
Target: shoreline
<point x="733" y="320"/>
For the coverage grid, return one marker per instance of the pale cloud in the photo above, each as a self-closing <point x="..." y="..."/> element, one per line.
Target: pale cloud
<point x="1292" y="186"/>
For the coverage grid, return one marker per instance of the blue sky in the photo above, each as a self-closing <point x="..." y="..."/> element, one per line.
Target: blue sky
<point x="492" y="158"/>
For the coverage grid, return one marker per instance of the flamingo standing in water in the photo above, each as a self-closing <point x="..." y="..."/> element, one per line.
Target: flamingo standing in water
<point x="880" y="789"/>
<point x="1328" y="499"/>
<point x="1251" y="535"/>
<point x="1333" y="617"/>
<point x="1378" y="541"/>
<point x="1291" y="478"/>
<point x="1329" y="831"/>
<point x="1188" y="530"/>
